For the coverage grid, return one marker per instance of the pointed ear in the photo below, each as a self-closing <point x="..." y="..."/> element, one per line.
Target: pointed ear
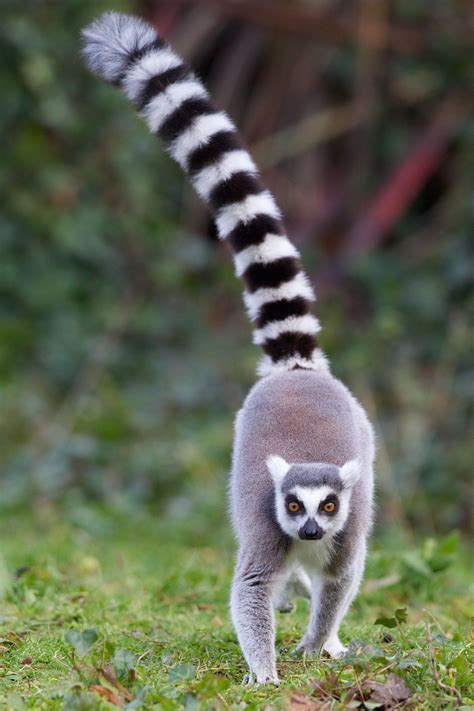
<point x="277" y="468"/>
<point x="350" y="473"/>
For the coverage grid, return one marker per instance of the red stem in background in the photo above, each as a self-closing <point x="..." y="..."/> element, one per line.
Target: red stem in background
<point x="408" y="179"/>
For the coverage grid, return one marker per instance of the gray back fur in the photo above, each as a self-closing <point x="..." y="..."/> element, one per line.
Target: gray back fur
<point x="306" y="417"/>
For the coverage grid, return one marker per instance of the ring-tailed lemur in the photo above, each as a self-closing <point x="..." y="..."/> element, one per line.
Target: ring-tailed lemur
<point x="301" y="481"/>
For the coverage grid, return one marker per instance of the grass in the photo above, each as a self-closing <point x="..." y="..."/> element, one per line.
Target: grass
<point x="105" y="609"/>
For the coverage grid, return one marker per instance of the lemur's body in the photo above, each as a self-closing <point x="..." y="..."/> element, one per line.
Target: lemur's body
<point x="298" y="411"/>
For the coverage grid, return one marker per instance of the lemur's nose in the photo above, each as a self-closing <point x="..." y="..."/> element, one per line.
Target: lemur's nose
<point x="310" y="531"/>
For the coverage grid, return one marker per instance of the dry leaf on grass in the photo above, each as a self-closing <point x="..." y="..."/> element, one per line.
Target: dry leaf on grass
<point x="108" y="694"/>
<point x="108" y="673"/>
<point x="323" y="694"/>
<point x="301" y="702"/>
<point x="118" y="695"/>
<point x="390" y="693"/>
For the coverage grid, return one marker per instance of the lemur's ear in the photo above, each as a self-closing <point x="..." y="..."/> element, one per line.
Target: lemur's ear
<point x="350" y="473"/>
<point x="277" y="468"/>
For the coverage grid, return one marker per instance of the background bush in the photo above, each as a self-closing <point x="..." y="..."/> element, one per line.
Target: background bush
<point x="124" y="349"/>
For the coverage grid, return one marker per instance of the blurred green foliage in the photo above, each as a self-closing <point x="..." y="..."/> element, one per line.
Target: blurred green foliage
<point x="124" y="350"/>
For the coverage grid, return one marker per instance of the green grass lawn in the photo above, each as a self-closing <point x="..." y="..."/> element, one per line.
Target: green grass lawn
<point x="105" y="609"/>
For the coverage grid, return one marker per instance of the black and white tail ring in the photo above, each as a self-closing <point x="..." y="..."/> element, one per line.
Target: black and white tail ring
<point x="127" y="52"/>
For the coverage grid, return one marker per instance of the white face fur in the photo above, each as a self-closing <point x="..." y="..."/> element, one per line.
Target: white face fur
<point x="311" y="512"/>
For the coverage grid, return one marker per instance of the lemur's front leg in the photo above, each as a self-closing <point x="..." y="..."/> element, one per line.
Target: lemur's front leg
<point x="329" y="602"/>
<point x="252" y="614"/>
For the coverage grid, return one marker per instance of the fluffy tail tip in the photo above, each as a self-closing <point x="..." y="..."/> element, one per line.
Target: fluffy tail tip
<point x="110" y="40"/>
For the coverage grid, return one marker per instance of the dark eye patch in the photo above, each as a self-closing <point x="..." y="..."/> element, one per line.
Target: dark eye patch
<point x="291" y="499"/>
<point x="330" y="502"/>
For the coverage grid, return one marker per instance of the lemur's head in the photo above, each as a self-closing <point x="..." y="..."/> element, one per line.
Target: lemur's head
<point x="312" y="500"/>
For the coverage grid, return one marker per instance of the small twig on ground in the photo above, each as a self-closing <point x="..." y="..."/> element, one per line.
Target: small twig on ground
<point x="441" y="685"/>
<point x="359" y="686"/>
<point x="321" y="690"/>
<point x="399" y="628"/>
<point x="143" y="655"/>
<point x="433" y="619"/>
<point x="226" y="705"/>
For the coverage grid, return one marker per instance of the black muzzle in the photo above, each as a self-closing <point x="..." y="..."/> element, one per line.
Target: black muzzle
<point x="310" y="531"/>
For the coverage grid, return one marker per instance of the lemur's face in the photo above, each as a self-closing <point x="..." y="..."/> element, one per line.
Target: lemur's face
<point x="312" y="500"/>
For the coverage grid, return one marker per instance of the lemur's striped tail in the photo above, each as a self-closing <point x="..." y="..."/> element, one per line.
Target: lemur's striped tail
<point x="127" y="52"/>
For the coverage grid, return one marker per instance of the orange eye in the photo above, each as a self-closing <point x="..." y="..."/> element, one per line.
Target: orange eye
<point x="329" y="507"/>
<point x="293" y="506"/>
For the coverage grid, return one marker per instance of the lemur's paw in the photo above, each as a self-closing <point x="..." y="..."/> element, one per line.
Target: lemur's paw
<point x="306" y="649"/>
<point x="335" y="648"/>
<point x="252" y="679"/>
<point x="286" y="607"/>
<point x="262" y="681"/>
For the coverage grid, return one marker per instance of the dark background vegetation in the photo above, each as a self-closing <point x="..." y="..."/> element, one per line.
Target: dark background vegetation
<point x="124" y="348"/>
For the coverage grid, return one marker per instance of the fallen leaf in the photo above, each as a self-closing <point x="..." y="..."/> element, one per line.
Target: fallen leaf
<point x="326" y="689"/>
<point x="387" y="694"/>
<point x="27" y="660"/>
<point x="109" y="675"/>
<point x="302" y="702"/>
<point x="108" y="694"/>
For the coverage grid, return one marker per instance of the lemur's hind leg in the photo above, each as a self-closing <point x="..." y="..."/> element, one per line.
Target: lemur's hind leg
<point x="329" y="603"/>
<point x="302" y="584"/>
<point x="292" y="583"/>
<point x="252" y="614"/>
<point x="281" y="592"/>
